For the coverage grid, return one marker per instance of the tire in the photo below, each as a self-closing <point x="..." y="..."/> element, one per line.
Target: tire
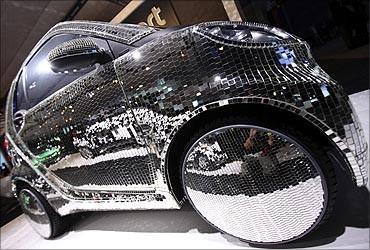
<point x="262" y="193"/>
<point x="42" y="217"/>
<point x="86" y="153"/>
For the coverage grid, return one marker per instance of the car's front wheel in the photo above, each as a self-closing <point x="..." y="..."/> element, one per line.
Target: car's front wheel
<point x="44" y="220"/>
<point x="275" y="183"/>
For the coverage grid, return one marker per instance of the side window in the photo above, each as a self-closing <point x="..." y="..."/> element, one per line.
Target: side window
<point x="40" y="81"/>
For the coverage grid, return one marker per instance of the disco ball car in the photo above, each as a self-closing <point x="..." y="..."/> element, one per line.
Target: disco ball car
<point x="235" y="117"/>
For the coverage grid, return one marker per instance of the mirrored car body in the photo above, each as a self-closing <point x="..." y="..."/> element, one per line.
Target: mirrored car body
<point x="98" y="113"/>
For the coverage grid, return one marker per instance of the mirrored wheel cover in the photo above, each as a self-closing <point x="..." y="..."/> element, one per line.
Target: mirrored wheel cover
<point x="35" y="212"/>
<point x="263" y="187"/>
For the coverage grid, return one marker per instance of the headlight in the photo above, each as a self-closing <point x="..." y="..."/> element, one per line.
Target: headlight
<point x="230" y="32"/>
<point x="242" y="32"/>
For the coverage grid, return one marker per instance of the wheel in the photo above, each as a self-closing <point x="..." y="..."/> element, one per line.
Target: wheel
<point x="273" y="184"/>
<point x="86" y="153"/>
<point x="42" y="217"/>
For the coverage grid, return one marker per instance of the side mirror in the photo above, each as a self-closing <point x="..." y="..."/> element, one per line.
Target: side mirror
<point x="77" y="54"/>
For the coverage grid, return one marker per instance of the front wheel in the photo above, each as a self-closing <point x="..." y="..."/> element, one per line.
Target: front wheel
<point x="44" y="220"/>
<point x="86" y="153"/>
<point x="274" y="184"/>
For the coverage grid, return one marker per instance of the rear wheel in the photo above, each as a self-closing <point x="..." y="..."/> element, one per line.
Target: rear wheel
<point x="44" y="220"/>
<point x="267" y="183"/>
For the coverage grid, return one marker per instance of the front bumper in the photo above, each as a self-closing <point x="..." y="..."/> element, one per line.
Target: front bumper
<point x="357" y="152"/>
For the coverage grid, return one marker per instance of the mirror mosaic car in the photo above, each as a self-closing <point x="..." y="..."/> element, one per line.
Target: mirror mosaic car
<point x="183" y="115"/>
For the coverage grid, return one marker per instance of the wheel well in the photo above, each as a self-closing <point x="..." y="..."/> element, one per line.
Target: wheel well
<point x="261" y="111"/>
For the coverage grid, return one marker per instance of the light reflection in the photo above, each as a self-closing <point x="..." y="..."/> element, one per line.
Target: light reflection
<point x="44" y="66"/>
<point x="136" y="55"/>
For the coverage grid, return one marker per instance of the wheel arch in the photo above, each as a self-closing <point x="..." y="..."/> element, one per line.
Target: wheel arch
<point x="260" y="108"/>
<point x="18" y="183"/>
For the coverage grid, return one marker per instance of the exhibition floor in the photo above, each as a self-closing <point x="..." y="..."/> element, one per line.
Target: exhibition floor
<point x="348" y="228"/>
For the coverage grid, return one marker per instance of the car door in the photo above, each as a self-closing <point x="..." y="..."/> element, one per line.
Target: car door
<point x="78" y="127"/>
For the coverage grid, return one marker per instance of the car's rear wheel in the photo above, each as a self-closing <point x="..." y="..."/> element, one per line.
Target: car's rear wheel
<point x="273" y="183"/>
<point x="44" y="220"/>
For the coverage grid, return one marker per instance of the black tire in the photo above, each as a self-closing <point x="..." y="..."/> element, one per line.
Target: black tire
<point x="311" y="144"/>
<point x="58" y="223"/>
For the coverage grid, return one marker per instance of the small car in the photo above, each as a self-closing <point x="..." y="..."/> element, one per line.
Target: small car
<point x="235" y="117"/>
